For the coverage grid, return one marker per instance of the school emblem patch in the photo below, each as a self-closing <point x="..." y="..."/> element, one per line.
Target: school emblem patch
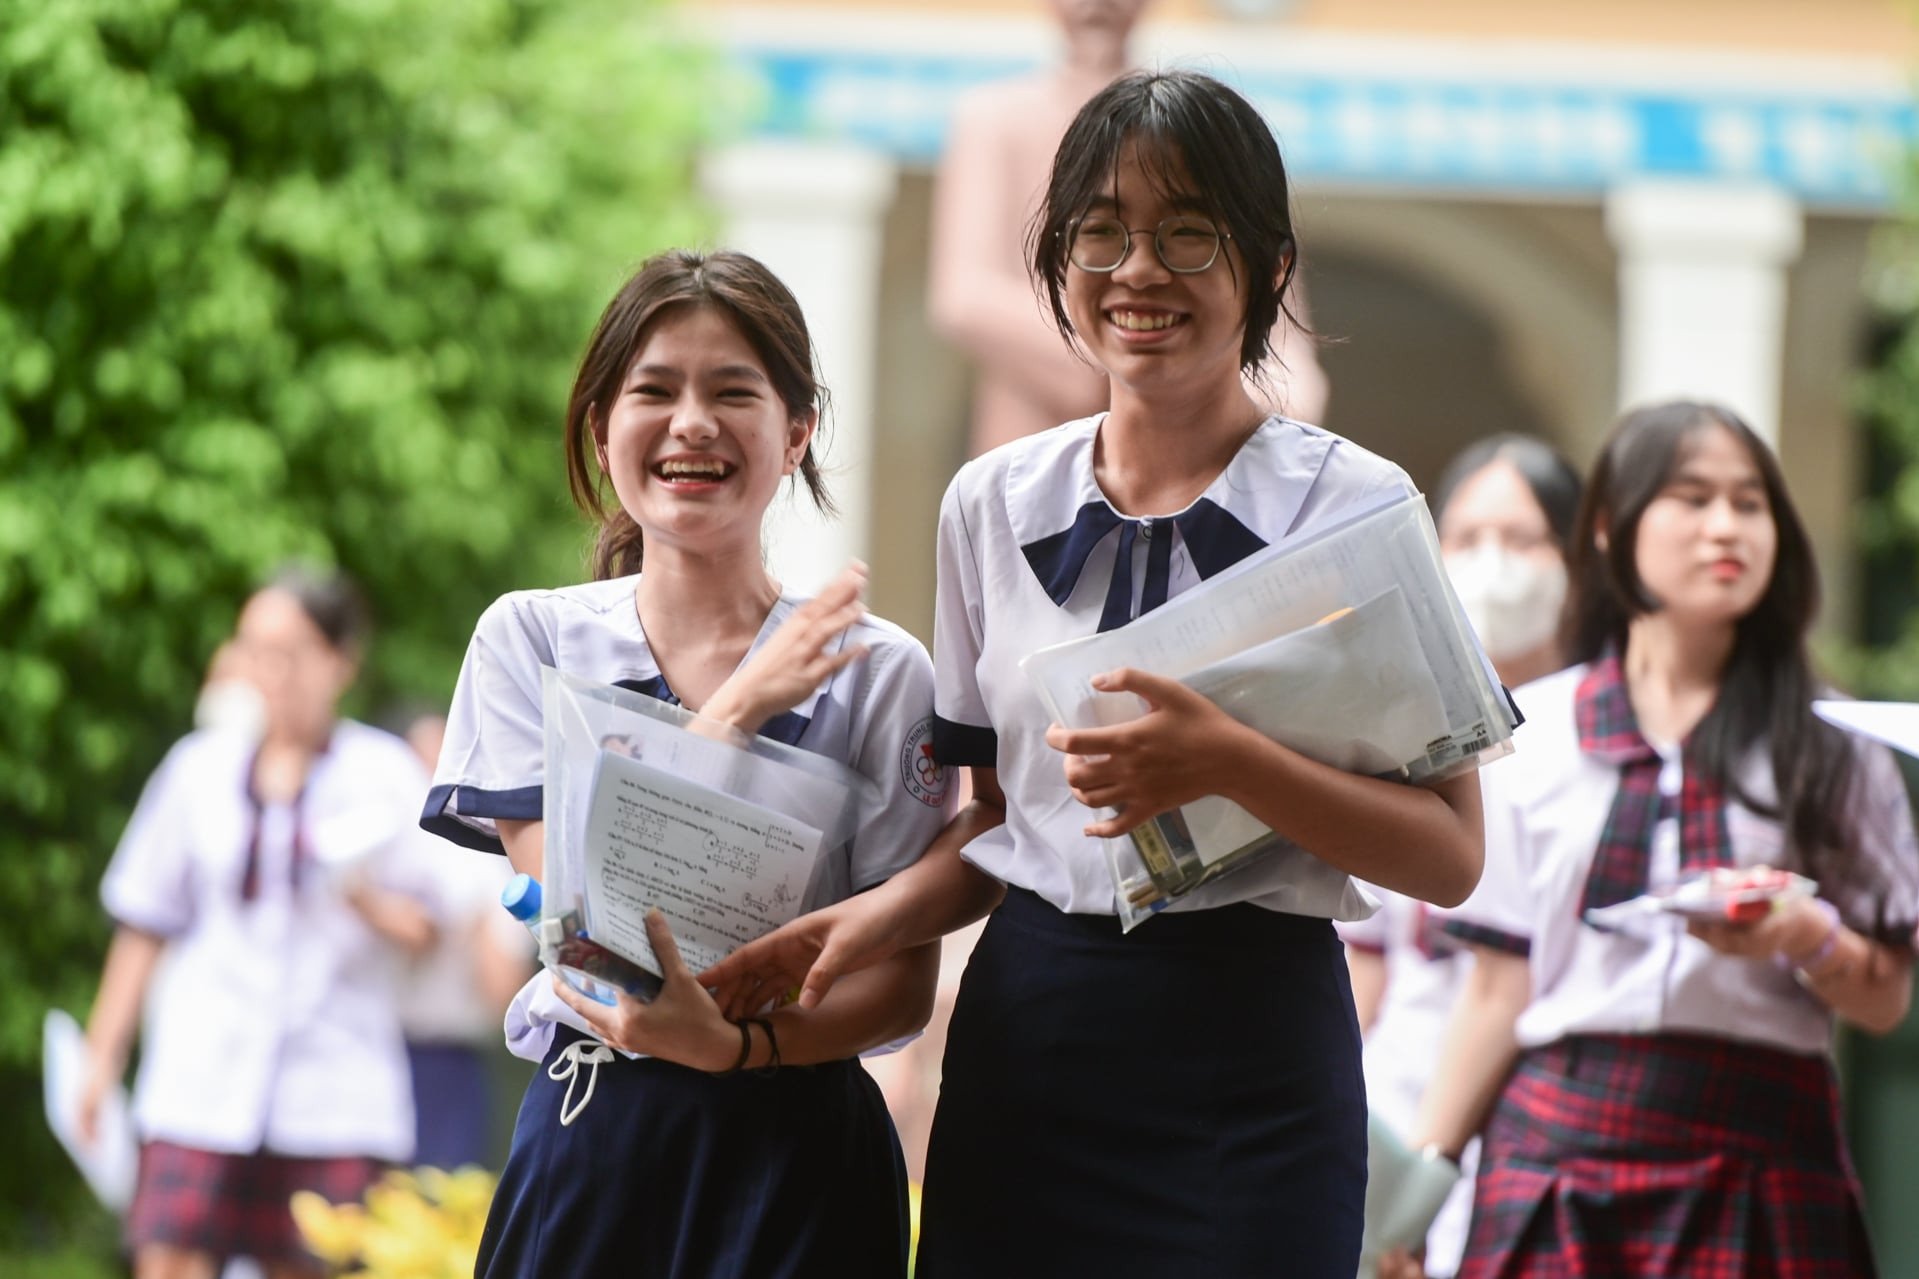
<point x="924" y="779"/>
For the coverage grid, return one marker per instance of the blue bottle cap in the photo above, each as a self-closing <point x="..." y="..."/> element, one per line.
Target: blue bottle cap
<point x="521" y="897"/>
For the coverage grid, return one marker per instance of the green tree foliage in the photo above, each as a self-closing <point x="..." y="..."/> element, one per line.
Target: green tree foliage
<point x="280" y="280"/>
<point x="1889" y="519"/>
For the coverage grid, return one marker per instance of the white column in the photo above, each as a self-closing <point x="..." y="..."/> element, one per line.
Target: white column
<point x="812" y="212"/>
<point x="1702" y="292"/>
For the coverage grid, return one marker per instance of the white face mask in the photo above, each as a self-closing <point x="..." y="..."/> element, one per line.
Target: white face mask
<point x="1512" y="601"/>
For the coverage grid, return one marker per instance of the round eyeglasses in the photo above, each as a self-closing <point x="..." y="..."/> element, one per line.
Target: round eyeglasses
<point x="1186" y="244"/>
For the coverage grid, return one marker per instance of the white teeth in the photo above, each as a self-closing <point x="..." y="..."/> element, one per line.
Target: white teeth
<point x="701" y="470"/>
<point x="1142" y="322"/>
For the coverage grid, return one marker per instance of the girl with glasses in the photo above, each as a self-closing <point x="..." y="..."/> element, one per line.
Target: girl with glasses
<point x="1185" y="1099"/>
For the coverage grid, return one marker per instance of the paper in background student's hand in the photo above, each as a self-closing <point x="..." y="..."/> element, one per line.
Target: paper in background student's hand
<point x="1405" y="1189"/>
<point x="110" y="1160"/>
<point x="1724" y="894"/>
<point x="1896" y="724"/>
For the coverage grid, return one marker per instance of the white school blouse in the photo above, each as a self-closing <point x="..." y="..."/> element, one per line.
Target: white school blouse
<point x="275" y="1026"/>
<point x="1027" y="551"/>
<point x="1425" y="970"/>
<point x="1545" y="809"/>
<point x="441" y="1001"/>
<point x="875" y="715"/>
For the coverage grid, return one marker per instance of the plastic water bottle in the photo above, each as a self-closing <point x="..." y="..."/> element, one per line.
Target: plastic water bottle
<point x="523" y="899"/>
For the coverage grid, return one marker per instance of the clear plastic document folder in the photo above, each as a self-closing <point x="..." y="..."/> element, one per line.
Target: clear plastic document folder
<point x="1346" y="645"/>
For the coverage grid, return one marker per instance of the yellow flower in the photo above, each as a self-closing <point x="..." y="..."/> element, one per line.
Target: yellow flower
<point x="336" y="1233"/>
<point x="414" y="1225"/>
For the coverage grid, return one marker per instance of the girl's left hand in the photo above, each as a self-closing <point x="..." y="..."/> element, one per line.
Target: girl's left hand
<point x="805" y="652"/>
<point x="682" y="1024"/>
<point x="1167" y="757"/>
<point x="1794" y="931"/>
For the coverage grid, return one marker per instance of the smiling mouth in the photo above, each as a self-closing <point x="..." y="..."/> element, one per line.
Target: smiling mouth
<point x="1144" y="321"/>
<point x="701" y="472"/>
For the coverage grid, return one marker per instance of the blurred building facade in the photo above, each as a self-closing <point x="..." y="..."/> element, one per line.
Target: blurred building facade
<point x="1513" y="216"/>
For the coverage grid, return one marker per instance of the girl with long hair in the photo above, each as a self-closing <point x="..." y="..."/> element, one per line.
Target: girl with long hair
<point x="694" y="1145"/>
<point x="1662" y="1100"/>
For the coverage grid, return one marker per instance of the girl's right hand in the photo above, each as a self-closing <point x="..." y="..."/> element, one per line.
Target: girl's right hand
<point x="796" y="659"/>
<point x="682" y="1023"/>
<point x="810" y="954"/>
<point x="100" y="1080"/>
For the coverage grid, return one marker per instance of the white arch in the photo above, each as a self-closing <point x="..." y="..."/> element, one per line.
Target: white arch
<point x="1554" y="309"/>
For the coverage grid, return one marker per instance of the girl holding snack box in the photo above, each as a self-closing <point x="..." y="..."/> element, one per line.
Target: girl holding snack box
<point x="1661" y="1095"/>
<point x="747" y="1147"/>
<point x="1186" y="1098"/>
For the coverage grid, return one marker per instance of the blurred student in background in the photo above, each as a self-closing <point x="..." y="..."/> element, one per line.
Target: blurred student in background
<point x="1662" y="1098"/>
<point x="454" y="998"/>
<point x="1505" y="509"/>
<point x="279" y="874"/>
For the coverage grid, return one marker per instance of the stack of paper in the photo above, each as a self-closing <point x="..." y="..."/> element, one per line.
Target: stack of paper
<point x="642" y="811"/>
<point x="111" y="1158"/>
<point x="1347" y="645"/>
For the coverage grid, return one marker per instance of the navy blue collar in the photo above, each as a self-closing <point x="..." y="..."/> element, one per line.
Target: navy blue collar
<point x="1213" y="538"/>
<point x="1060" y="515"/>
<point x="786" y="727"/>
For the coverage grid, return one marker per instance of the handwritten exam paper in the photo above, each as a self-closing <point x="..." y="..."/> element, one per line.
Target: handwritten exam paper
<point x="722" y="870"/>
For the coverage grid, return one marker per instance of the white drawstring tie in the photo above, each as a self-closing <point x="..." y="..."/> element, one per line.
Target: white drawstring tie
<point x="567" y="1069"/>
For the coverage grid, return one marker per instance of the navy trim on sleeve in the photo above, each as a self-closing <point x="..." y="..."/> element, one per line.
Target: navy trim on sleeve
<point x="523" y="804"/>
<point x="1491" y="938"/>
<point x="964" y="745"/>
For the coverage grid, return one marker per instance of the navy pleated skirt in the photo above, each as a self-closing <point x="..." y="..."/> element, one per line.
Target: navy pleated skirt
<point x="672" y="1173"/>
<point x="1185" y="1100"/>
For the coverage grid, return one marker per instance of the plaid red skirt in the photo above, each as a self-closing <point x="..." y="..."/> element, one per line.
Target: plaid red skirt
<point x="234" y="1205"/>
<point x="1666" y="1155"/>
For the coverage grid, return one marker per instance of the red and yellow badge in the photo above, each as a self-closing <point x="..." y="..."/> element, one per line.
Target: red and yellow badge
<point x="922" y="776"/>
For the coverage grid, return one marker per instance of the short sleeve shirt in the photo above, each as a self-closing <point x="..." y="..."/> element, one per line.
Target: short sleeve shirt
<point x="1028" y="545"/>
<point x="874" y="715"/>
<point x="1546" y="807"/>
<point x="275" y="1025"/>
<point x="1425" y="968"/>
